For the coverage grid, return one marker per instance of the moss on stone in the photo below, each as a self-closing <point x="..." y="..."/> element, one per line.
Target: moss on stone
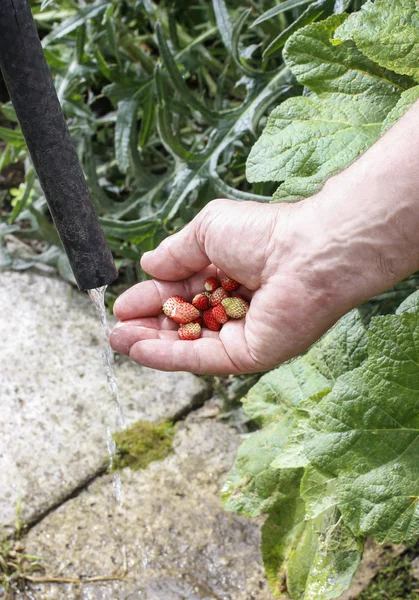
<point x="143" y="443"/>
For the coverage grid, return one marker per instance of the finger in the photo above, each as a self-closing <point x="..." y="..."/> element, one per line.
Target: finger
<point x="124" y="336"/>
<point x="159" y="322"/>
<point x="204" y="356"/>
<point x="146" y="299"/>
<point x="182" y="254"/>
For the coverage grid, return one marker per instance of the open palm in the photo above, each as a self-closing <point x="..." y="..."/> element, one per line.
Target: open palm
<point x="250" y="243"/>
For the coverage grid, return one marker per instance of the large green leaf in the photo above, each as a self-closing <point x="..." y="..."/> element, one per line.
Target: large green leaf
<point x="310" y="558"/>
<point x="407" y="99"/>
<point x="387" y="31"/>
<point x="326" y="68"/>
<point x="299" y="532"/>
<point x="367" y="432"/>
<point x="341" y="350"/>
<point x="317" y="137"/>
<point x="308" y="139"/>
<point x="253" y="486"/>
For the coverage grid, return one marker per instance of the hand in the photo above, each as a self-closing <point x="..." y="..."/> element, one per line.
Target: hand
<point x="302" y="265"/>
<point x="264" y="247"/>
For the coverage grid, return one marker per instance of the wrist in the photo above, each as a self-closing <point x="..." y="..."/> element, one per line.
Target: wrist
<point x="370" y="221"/>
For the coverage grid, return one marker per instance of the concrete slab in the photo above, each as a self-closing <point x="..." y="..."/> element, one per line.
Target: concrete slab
<point x="53" y="395"/>
<point x="172" y="535"/>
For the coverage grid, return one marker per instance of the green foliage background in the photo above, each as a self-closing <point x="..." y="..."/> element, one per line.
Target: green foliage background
<point x="164" y="101"/>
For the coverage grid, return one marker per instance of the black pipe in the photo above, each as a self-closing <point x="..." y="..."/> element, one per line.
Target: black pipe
<point x="38" y="110"/>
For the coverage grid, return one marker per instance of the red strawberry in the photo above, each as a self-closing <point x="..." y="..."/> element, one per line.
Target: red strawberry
<point x="210" y="321"/>
<point x="181" y="312"/>
<point x="198" y="320"/>
<point x="211" y="284"/>
<point x="189" y="331"/>
<point x="220" y="314"/>
<point x="236" y="308"/>
<point x="217" y="296"/>
<point x="202" y="301"/>
<point x="229" y="284"/>
<point x="171" y="303"/>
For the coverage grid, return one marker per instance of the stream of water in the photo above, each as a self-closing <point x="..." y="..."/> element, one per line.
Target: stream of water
<point x="97" y="296"/>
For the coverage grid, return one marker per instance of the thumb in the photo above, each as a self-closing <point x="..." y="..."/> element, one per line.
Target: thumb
<point x="180" y="255"/>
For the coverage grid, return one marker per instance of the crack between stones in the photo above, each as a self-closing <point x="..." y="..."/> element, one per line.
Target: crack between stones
<point x="196" y="403"/>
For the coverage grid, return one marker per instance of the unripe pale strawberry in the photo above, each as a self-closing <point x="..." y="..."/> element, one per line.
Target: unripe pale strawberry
<point x="220" y="314"/>
<point x="210" y="321"/>
<point x="202" y="301"/>
<point x="180" y="312"/>
<point x="211" y="284"/>
<point x="218" y="296"/>
<point x="229" y="284"/>
<point x="189" y="331"/>
<point x="236" y="308"/>
<point x="170" y="304"/>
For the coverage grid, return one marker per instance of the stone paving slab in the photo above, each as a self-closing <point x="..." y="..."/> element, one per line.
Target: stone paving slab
<point x="172" y="533"/>
<point x="54" y="402"/>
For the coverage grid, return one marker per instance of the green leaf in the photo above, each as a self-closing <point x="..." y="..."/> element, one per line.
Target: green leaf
<point x="125" y="130"/>
<point x="407" y="99"/>
<point x="325" y="68"/>
<point x="314" y="11"/>
<point x="312" y="559"/>
<point x="277" y="10"/>
<point x="280" y="391"/>
<point x="177" y="80"/>
<point x="387" y="32"/>
<point x="367" y="430"/>
<point x="341" y="350"/>
<point x="253" y="487"/>
<point x="192" y="174"/>
<point x="410" y="305"/>
<point x="75" y="21"/>
<point x="257" y="483"/>
<point x="296" y="188"/>
<point x="148" y="118"/>
<point x="24" y="197"/>
<point x="317" y="137"/>
<point x="12" y="136"/>
<point x="311" y="138"/>
<point x="224" y="24"/>
<point x="318" y="490"/>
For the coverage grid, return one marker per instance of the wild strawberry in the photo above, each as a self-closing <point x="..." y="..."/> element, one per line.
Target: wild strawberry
<point x="202" y="301"/>
<point x="171" y="303"/>
<point x="217" y="296"/>
<point x="236" y="308"/>
<point x="181" y="312"/>
<point x="211" y="284"/>
<point x="189" y="331"/>
<point x="210" y="321"/>
<point x="220" y="314"/>
<point x="229" y="284"/>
